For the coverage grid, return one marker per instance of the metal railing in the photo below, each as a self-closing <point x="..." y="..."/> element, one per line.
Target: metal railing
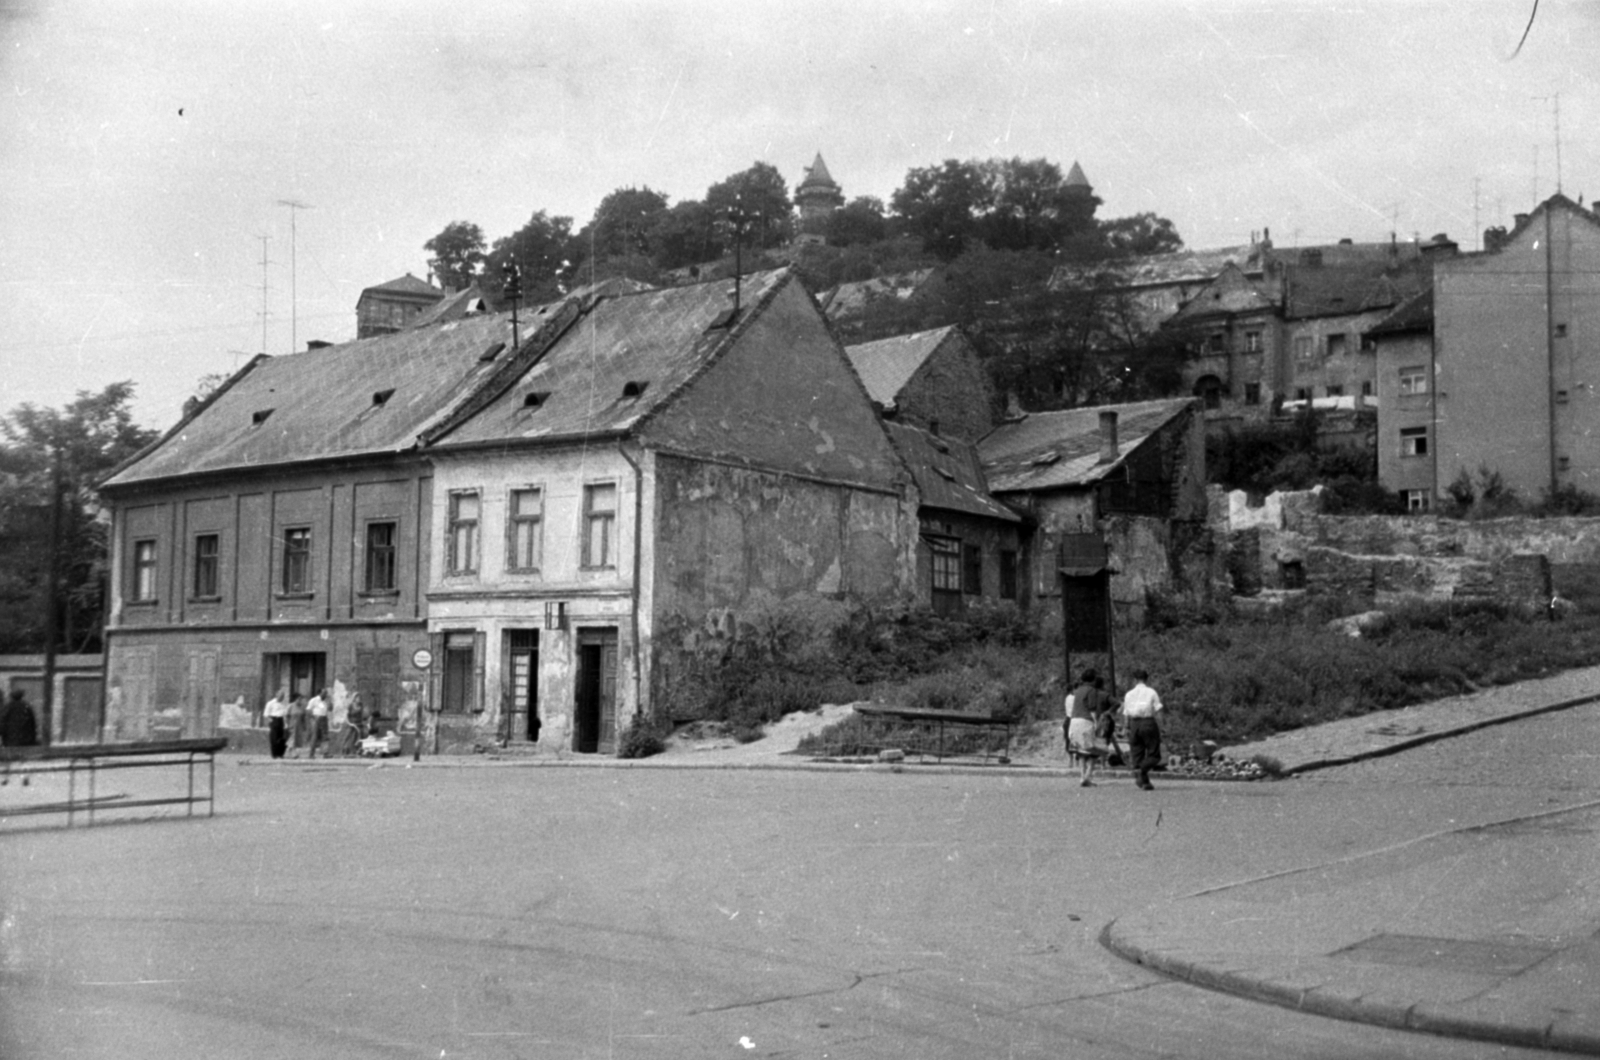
<point x="83" y="763"/>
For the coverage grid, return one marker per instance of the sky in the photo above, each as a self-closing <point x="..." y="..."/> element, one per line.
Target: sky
<point x="149" y="148"/>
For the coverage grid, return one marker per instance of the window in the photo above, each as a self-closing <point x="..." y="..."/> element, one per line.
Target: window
<point x="1215" y="342"/>
<point x="1413" y="380"/>
<point x="1366" y="388"/>
<point x="1337" y="345"/>
<point x="1008" y="574"/>
<point x="1302" y="347"/>
<point x="205" y="566"/>
<point x="1413" y="441"/>
<point x="525" y="530"/>
<point x="143" y="589"/>
<point x="297" y="559"/>
<point x="946" y="555"/>
<point x="1302" y="393"/>
<point x="1417" y="500"/>
<point x="1252" y="342"/>
<point x="1561" y="331"/>
<point x="972" y="570"/>
<point x="1252" y="393"/>
<point x="600" y="525"/>
<point x="463" y="558"/>
<point x="1335" y="390"/>
<point x="380" y="558"/>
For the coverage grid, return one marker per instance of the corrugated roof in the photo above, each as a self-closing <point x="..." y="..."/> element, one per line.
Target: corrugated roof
<point x="625" y="357"/>
<point x="947" y="471"/>
<point x="1054" y="450"/>
<point x="887" y="365"/>
<point x="322" y="404"/>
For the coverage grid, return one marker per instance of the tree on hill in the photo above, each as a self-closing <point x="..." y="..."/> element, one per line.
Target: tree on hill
<point x="623" y="224"/>
<point x="457" y="253"/>
<point x="761" y="195"/>
<point x="861" y="220"/>
<point x="941" y="205"/>
<point x="1139" y="234"/>
<point x="90" y="436"/>
<point x="686" y="234"/>
<point x="542" y="250"/>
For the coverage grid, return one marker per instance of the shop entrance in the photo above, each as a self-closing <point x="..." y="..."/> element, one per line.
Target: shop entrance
<point x="522" y="655"/>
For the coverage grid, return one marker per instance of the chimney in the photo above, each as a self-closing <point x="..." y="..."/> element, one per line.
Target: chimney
<point x="1520" y="218"/>
<point x="1494" y="238"/>
<point x="1108" y="436"/>
<point x="317" y="344"/>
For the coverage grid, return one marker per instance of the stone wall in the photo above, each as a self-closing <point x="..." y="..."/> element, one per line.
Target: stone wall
<point x="1287" y="543"/>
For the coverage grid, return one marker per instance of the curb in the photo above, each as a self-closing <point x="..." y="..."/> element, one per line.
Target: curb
<point x="1423" y="1018"/>
<point x="1434" y="737"/>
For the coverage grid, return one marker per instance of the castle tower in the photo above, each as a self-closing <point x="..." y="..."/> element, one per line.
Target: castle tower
<point x="1076" y="182"/>
<point x="817" y="197"/>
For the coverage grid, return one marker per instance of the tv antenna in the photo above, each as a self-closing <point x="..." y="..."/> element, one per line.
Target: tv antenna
<point x="295" y="206"/>
<point x="264" y="289"/>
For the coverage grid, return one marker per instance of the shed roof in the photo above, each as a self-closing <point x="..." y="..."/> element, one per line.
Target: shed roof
<point x="1060" y="450"/>
<point x="947" y="471"/>
<point x="887" y="365"/>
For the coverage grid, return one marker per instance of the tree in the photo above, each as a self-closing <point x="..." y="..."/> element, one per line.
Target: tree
<point x="941" y="205"/>
<point x="623" y="224"/>
<point x="686" y="234"/>
<point x="1032" y="208"/>
<point x="457" y="253"/>
<point x="90" y="436"/>
<point x="1141" y="233"/>
<point x="861" y="220"/>
<point x="542" y="250"/>
<point x="761" y="196"/>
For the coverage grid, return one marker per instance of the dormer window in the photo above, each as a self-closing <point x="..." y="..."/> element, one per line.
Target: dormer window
<point x="633" y="388"/>
<point x="1045" y="459"/>
<point x="534" y="398"/>
<point x="258" y="417"/>
<point x="492" y="352"/>
<point x="381" y="398"/>
<point x="724" y="319"/>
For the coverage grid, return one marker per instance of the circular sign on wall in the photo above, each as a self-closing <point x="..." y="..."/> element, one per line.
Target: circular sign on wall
<point x="422" y="659"/>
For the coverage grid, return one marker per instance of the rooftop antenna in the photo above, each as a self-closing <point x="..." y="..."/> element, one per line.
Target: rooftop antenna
<point x="295" y="207"/>
<point x="264" y="289"/>
<point x="1477" y="224"/>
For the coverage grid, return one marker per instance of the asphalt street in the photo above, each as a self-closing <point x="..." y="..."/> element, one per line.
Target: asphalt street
<point x="471" y="910"/>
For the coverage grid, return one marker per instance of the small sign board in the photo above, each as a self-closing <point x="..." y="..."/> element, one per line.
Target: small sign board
<point x="422" y="658"/>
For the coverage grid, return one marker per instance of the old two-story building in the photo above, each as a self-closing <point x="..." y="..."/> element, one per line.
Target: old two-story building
<point x="1517" y="335"/>
<point x="386" y="308"/>
<point x="1132" y="473"/>
<point x="1404" y="366"/>
<point x="516" y="538"/>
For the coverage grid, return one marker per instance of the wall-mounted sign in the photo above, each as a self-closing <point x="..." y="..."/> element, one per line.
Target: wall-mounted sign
<point x="422" y="659"/>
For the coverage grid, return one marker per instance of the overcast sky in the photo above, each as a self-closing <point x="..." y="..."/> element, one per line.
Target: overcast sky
<point x="145" y="147"/>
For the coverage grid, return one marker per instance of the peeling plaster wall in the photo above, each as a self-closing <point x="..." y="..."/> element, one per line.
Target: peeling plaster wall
<point x="733" y="543"/>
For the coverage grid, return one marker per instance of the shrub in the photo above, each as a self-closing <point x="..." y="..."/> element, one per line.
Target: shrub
<point x="642" y="738"/>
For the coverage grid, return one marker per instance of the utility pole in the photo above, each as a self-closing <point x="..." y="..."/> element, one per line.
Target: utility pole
<point x="295" y="207"/>
<point x="53" y="598"/>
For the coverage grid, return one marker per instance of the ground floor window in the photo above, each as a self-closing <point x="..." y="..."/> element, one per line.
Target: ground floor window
<point x="1417" y="500"/>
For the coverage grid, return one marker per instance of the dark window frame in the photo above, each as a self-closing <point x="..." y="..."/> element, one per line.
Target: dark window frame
<point x="207" y="566"/>
<point x="296" y="573"/>
<point x="527" y="530"/>
<point x="601" y="521"/>
<point x="142" y="570"/>
<point x="381" y="570"/>
<point x="972" y="570"/>
<point x="463" y="533"/>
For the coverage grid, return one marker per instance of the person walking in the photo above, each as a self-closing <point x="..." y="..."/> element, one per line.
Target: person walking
<point x="1085" y="704"/>
<point x="18" y="726"/>
<point x="1140" y="706"/>
<point x="317" y="720"/>
<point x="277" y="712"/>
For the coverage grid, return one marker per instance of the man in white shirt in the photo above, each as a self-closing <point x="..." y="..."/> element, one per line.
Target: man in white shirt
<point x="318" y="709"/>
<point x="1140" y="706"/>
<point x="276" y="713"/>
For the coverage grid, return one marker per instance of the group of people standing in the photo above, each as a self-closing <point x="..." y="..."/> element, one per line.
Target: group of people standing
<point x="1092" y="725"/>
<point x="295" y="724"/>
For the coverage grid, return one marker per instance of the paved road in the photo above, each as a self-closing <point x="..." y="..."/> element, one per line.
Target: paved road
<point x="499" y="912"/>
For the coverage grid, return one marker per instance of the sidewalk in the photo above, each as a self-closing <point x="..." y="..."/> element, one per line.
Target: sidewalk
<point x="1490" y="932"/>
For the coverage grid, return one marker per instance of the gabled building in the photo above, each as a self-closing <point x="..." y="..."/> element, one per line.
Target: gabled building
<point x="932" y="379"/>
<point x="390" y="307"/>
<point x="1517" y="335"/>
<point x="1133" y="473"/>
<point x="1235" y="332"/>
<point x="969" y="545"/>
<point x="524" y="544"/>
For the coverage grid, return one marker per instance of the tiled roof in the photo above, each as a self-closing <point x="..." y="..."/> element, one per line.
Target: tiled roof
<point x="452" y="307"/>
<point x="625" y="357"/>
<point x="1055" y="450"/>
<point x="1162" y="270"/>
<point x="848" y="299"/>
<point x="817" y="174"/>
<point x="1337" y="290"/>
<point x="1414" y="314"/>
<point x="324" y="403"/>
<point x="887" y="365"/>
<point x="1075" y="177"/>
<point x="947" y="472"/>
<point x="407" y="284"/>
